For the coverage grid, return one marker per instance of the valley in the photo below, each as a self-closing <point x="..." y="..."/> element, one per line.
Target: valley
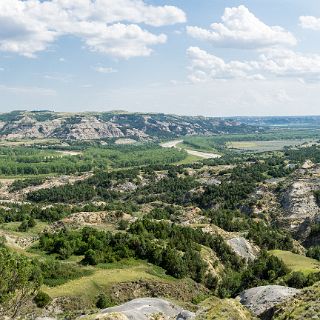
<point x="215" y="220"/>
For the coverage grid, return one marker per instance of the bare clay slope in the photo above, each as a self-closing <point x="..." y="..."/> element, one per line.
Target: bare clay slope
<point x="86" y="126"/>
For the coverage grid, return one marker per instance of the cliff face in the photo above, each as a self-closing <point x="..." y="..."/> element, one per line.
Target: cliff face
<point x="300" y="209"/>
<point x="77" y="126"/>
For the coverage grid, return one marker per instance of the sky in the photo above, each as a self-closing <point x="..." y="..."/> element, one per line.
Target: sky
<point x="191" y="57"/>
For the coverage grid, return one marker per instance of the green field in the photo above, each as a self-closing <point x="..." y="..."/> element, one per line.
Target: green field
<point x="264" y="146"/>
<point x="189" y="159"/>
<point x="206" y="144"/>
<point x="270" y="140"/>
<point x="296" y="262"/>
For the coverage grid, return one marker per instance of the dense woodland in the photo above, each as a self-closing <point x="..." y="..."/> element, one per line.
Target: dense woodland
<point x="38" y="161"/>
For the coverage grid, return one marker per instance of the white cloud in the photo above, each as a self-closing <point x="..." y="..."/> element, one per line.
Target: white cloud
<point x="287" y="63"/>
<point x="310" y="22"/>
<point x="112" y="11"/>
<point x="137" y="11"/>
<point x="20" y="31"/>
<point x="242" y="29"/>
<point x="119" y="40"/>
<point x="106" y="26"/>
<point x="105" y="69"/>
<point x="205" y="66"/>
<point x="282" y="63"/>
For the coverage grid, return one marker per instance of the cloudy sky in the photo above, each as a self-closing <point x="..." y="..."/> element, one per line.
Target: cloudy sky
<point x="208" y="57"/>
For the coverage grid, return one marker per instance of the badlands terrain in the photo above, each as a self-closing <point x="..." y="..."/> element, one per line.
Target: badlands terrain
<point x="151" y="216"/>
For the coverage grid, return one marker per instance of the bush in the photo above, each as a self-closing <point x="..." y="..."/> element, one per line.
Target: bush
<point x="123" y="224"/>
<point x="314" y="252"/>
<point x="42" y="299"/>
<point x="211" y="282"/>
<point x="23" y="227"/>
<point x="31" y="223"/>
<point x="297" y="280"/>
<point x="103" y="301"/>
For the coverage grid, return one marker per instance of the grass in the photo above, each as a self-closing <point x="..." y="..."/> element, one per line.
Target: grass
<point x="189" y="159"/>
<point x="204" y="144"/>
<point x="296" y="262"/>
<point x="89" y="287"/>
<point x="262" y="146"/>
<point x="19" y="142"/>
<point x="224" y="309"/>
<point x="12" y="227"/>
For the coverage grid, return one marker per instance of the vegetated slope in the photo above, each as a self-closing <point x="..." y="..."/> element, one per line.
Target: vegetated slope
<point x="86" y="126"/>
<point x="303" y="306"/>
<point x="187" y="230"/>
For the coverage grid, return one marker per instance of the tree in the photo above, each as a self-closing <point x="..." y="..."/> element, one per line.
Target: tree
<point x="90" y="257"/>
<point x="19" y="282"/>
<point x="31" y="222"/>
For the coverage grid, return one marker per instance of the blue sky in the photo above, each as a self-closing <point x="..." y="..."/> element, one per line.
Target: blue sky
<point x="209" y="57"/>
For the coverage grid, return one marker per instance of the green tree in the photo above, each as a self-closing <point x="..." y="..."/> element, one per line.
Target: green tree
<point x="20" y="281"/>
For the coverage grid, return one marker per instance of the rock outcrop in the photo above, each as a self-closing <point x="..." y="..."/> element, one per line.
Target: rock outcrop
<point x="300" y="207"/>
<point x="261" y="299"/>
<point x="88" y="126"/>
<point x="243" y="248"/>
<point x="149" y="308"/>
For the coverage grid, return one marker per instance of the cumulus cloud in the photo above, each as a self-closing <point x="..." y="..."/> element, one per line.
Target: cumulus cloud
<point x="205" y="66"/>
<point x="310" y="22"/>
<point x="283" y="63"/>
<point x="287" y="63"/>
<point x="119" y="40"/>
<point x="136" y="11"/>
<point x="106" y="26"/>
<point x="242" y="29"/>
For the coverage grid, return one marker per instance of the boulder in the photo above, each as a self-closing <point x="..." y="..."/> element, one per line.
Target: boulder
<point x="261" y="299"/>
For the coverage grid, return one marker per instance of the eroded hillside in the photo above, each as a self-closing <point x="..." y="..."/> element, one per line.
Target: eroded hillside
<point x="88" y="126"/>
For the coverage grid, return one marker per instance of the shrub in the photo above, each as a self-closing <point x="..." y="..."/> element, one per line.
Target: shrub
<point x="103" y="301"/>
<point x="297" y="280"/>
<point x="123" y="224"/>
<point x="42" y="299"/>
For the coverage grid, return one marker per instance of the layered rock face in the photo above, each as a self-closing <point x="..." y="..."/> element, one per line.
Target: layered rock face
<point x="300" y="209"/>
<point x="86" y="126"/>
